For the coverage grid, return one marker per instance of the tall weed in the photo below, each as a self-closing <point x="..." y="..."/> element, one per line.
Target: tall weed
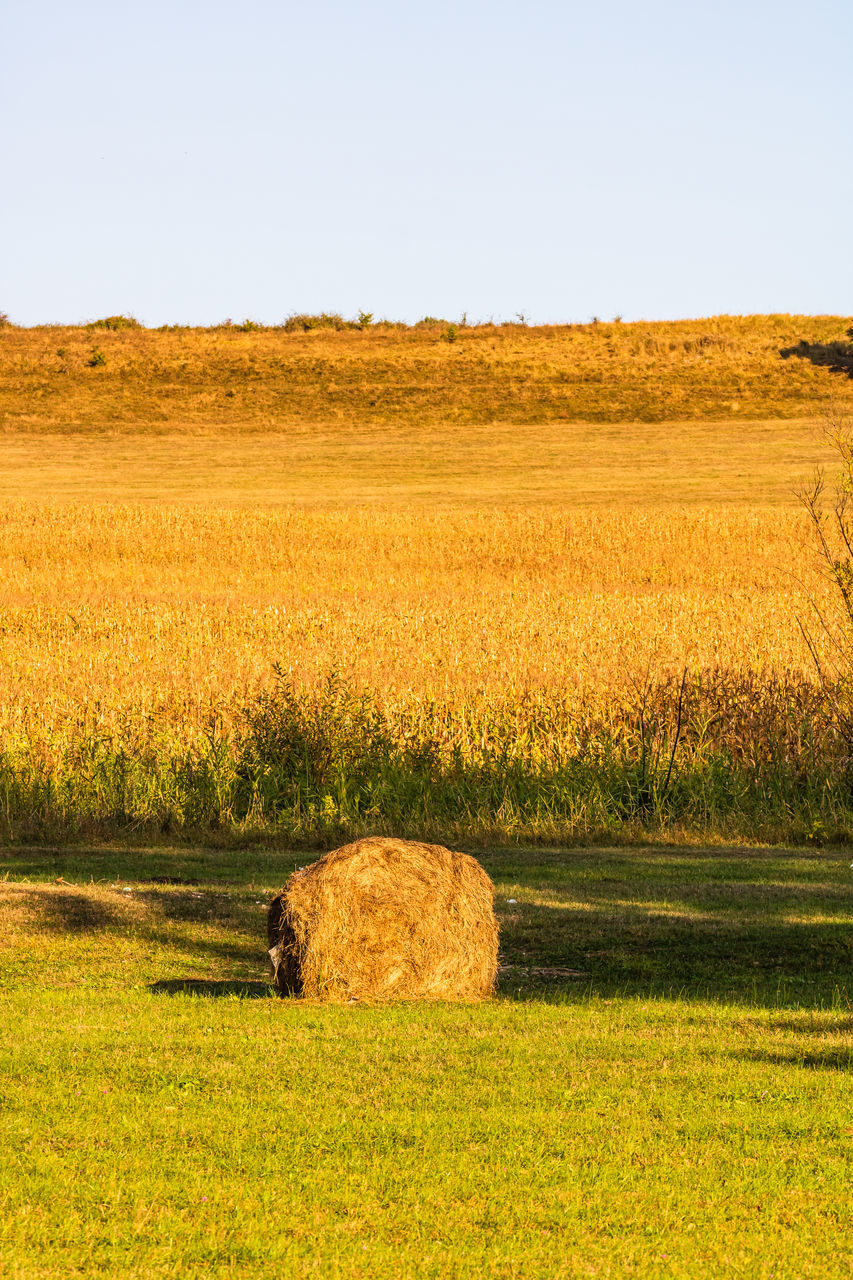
<point x="714" y="754"/>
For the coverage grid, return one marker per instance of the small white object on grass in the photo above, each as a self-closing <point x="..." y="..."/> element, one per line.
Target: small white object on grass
<point x="513" y="901"/>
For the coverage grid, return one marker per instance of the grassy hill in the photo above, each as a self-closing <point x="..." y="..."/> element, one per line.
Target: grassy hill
<point x="113" y="373"/>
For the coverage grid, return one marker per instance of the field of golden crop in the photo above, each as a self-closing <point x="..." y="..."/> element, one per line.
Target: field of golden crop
<point x="150" y="569"/>
<point x="176" y="612"/>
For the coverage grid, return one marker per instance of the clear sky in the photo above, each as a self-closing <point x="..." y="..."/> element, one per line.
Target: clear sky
<point x="192" y="160"/>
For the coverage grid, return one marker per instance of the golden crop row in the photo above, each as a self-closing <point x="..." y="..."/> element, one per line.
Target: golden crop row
<point x="118" y="614"/>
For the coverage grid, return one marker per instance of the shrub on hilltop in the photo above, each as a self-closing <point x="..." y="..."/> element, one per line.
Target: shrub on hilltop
<point x="115" y="322"/>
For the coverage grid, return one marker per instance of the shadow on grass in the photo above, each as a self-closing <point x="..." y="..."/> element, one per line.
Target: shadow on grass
<point x="774" y="964"/>
<point x="829" y="1025"/>
<point x="840" y="1059"/>
<point x="74" y="913"/>
<point x="213" y="924"/>
<point x="213" y="990"/>
<point x="622" y="951"/>
<point x="169" y="865"/>
<point x="763" y="927"/>
<point x="773" y="928"/>
<point x="837" y="356"/>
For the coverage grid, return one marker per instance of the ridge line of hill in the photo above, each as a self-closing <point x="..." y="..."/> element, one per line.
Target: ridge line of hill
<point x="114" y="372"/>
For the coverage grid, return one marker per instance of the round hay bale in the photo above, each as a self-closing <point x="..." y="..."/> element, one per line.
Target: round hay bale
<point x="385" y="919"/>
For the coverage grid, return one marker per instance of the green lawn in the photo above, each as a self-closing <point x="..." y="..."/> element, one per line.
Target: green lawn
<point x="661" y="1088"/>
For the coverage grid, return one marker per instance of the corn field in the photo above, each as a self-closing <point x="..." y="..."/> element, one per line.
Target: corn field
<point x="519" y="675"/>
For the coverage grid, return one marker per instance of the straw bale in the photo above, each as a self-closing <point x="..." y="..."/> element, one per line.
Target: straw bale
<point x="386" y="919"/>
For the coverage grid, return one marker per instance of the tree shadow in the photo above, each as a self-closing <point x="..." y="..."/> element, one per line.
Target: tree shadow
<point x="770" y="928"/>
<point x="68" y="912"/>
<point x="836" y="356"/>
<point x="210" y="989"/>
<point x="813" y="1025"/>
<point x="178" y="880"/>
<point x="159" y="916"/>
<point x="170" y="865"/>
<point x="772" y="963"/>
<point x="752" y="933"/>
<point x="835" y="1059"/>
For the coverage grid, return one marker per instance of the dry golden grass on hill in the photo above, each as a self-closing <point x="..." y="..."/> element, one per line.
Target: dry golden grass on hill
<point x="84" y="378"/>
<point x="112" y="614"/>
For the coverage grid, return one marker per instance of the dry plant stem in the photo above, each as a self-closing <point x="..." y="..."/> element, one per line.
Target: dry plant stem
<point x="831" y="644"/>
<point x="487" y="647"/>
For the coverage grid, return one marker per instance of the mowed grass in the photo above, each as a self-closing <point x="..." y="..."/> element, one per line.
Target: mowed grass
<point x="721" y="409"/>
<point x="660" y="1088"/>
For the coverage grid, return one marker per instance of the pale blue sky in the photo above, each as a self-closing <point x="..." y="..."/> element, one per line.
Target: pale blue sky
<point x="190" y="160"/>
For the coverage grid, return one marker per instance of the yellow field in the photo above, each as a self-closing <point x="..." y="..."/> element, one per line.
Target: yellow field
<point x="172" y="612"/>
<point x="575" y="465"/>
<point x="161" y="570"/>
